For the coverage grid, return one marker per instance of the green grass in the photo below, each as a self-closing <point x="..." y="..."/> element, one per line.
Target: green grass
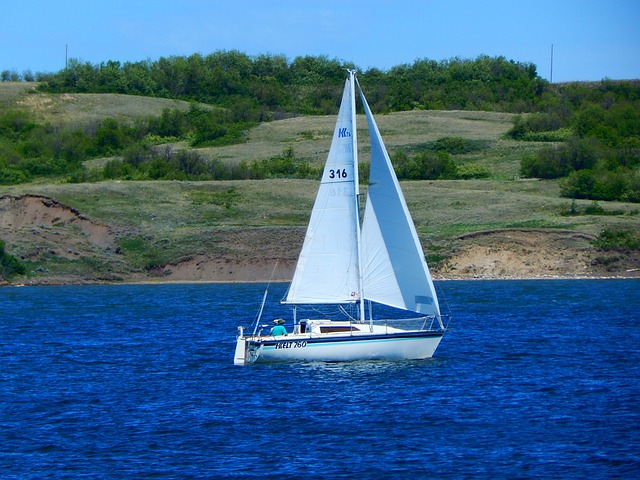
<point x="163" y="222"/>
<point x="12" y="92"/>
<point x="310" y="137"/>
<point x="222" y="198"/>
<point x="86" y="267"/>
<point x="84" y="108"/>
<point x="144" y="251"/>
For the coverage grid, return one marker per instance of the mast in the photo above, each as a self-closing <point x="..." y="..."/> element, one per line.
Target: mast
<point x="354" y="145"/>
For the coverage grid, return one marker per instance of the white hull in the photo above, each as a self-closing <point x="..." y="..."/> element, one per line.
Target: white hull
<point x="406" y="345"/>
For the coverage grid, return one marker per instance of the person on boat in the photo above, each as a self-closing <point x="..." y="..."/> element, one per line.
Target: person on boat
<point x="278" y="329"/>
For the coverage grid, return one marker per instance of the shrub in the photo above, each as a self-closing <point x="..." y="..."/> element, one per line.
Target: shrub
<point x="159" y="168"/>
<point x="467" y="171"/>
<point x="11" y="176"/>
<point x="559" y="135"/>
<point x="550" y="162"/>
<point x="10" y="265"/>
<point x="632" y="194"/>
<point x="458" y="145"/>
<point x="15" y="124"/>
<point x="189" y="162"/>
<point x="578" y="185"/>
<point x="117" y="169"/>
<point x="439" y="166"/>
<point x="560" y="161"/>
<point x="618" y="239"/>
<point x="594" y="209"/>
<point x="601" y="185"/>
<point x="285" y="165"/>
<point x="170" y="123"/>
<point x="537" y="126"/>
<point x="425" y="166"/>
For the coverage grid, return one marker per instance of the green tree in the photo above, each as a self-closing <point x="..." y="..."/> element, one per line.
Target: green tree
<point x="426" y="165"/>
<point x="110" y="137"/>
<point x="16" y="124"/>
<point x="170" y="123"/>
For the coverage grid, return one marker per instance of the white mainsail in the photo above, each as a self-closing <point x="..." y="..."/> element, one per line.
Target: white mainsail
<point x="327" y="269"/>
<point x="395" y="270"/>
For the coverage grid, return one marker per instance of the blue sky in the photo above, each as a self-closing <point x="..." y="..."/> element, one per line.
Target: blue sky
<point x="592" y="39"/>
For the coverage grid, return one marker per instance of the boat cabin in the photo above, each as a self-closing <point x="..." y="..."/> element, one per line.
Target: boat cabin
<point x="324" y="327"/>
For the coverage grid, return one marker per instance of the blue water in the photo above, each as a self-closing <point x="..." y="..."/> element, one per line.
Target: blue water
<point x="536" y="379"/>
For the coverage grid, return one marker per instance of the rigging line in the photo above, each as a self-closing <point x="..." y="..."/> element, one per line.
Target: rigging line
<point x="264" y="298"/>
<point x="273" y="272"/>
<point x="443" y="299"/>
<point x="347" y="314"/>
<point x="324" y="313"/>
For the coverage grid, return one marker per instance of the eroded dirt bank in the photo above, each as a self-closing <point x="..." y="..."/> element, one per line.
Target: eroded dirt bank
<point x="38" y="228"/>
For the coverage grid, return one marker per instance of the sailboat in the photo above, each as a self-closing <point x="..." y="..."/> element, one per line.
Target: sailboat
<point x="348" y="263"/>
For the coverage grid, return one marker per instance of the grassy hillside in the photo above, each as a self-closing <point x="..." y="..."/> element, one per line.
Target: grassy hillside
<point x="159" y="223"/>
<point x="441" y="209"/>
<point x="310" y="137"/>
<point x="81" y="109"/>
<point x="10" y="92"/>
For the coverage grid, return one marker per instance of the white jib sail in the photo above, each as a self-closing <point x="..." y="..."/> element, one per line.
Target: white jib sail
<point x="327" y="269"/>
<point x="395" y="269"/>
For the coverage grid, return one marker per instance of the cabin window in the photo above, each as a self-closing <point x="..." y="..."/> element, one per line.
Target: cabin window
<point x="338" y="329"/>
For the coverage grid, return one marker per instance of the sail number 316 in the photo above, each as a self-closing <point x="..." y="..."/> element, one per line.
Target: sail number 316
<point x="339" y="173"/>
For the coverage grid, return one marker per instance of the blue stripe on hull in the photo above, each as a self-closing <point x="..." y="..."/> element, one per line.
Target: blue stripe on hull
<point x="352" y="338"/>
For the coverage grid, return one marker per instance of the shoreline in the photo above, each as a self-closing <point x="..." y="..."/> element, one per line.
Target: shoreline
<point x="60" y="283"/>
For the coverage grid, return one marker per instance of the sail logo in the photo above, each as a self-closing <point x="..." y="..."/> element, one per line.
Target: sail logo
<point x="343" y="132"/>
